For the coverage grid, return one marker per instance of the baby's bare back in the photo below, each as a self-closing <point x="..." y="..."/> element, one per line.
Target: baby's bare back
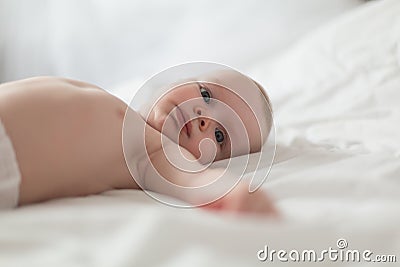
<point x="66" y="135"/>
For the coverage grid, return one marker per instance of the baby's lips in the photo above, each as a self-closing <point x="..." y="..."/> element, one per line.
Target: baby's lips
<point x="186" y="121"/>
<point x="188" y="126"/>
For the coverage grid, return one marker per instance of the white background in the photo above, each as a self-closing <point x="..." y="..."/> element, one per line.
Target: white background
<point x="110" y="42"/>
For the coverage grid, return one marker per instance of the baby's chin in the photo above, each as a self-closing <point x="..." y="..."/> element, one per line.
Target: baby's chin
<point x="155" y="124"/>
<point x="167" y="130"/>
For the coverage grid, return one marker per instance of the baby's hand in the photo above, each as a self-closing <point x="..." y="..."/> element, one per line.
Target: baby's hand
<point x="239" y="200"/>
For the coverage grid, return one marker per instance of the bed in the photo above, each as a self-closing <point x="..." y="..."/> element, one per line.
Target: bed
<point x="335" y="177"/>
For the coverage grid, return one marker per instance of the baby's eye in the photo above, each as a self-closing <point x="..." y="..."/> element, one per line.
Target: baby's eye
<point x="219" y="136"/>
<point x="205" y="94"/>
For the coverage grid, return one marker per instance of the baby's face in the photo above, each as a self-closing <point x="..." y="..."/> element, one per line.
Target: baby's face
<point x="195" y="111"/>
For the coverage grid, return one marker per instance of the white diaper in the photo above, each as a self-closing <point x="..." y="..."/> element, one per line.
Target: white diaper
<point x="10" y="176"/>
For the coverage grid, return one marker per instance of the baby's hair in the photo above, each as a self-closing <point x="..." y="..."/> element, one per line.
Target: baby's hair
<point x="268" y="109"/>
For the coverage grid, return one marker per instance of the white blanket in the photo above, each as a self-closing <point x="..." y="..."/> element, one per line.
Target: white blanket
<point x="336" y="173"/>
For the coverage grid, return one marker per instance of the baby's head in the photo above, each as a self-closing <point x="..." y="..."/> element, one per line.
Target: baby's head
<point x="224" y="107"/>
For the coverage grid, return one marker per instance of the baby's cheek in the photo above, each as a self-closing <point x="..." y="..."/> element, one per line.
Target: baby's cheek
<point x="204" y="150"/>
<point x="191" y="146"/>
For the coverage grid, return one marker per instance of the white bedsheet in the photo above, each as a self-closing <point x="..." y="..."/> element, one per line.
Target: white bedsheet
<point x="336" y="174"/>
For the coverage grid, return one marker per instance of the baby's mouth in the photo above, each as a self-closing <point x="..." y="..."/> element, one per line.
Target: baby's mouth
<point x="187" y="126"/>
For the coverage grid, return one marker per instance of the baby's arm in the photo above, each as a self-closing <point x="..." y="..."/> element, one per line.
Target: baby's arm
<point x="237" y="200"/>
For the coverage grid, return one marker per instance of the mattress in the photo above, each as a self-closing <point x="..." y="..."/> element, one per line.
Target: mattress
<point x="335" y="176"/>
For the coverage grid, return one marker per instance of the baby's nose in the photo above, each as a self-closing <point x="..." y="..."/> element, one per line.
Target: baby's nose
<point x="204" y="123"/>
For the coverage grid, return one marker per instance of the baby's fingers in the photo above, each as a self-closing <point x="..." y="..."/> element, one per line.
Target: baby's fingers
<point x="241" y="201"/>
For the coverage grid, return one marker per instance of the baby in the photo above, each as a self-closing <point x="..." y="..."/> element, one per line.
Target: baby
<point x="65" y="138"/>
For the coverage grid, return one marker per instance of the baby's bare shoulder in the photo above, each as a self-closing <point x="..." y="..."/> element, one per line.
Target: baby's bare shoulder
<point x="44" y="83"/>
<point x="57" y="94"/>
